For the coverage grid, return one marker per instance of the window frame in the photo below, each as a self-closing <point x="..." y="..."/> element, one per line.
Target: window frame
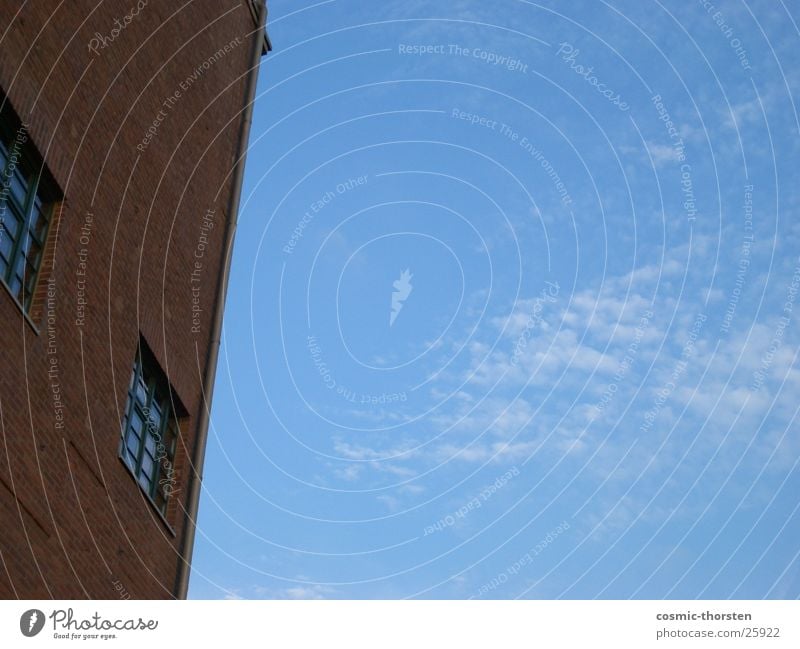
<point x="146" y="373"/>
<point x="37" y="185"/>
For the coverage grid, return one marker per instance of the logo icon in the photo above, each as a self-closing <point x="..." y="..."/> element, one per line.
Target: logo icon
<point x="402" y="289"/>
<point x="31" y="622"/>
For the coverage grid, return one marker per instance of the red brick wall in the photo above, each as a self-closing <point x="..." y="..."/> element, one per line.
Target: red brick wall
<point x="74" y="522"/>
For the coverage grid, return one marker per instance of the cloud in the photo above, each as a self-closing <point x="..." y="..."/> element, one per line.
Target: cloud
<point x="373" y="460"/>
<point x="662" y="154"/>
<point x="365" y="453"/>
<point x="743" y="114"/>
<point x="542" y="397"/>
<point x="304" y="591"/>
<point x="307" y="592"/>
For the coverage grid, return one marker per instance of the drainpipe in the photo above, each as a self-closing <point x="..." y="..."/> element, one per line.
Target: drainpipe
<point x="201" y="439"/>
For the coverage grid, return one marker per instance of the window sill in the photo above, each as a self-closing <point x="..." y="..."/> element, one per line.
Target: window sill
<point x="21" y="309"/>
<point x="148" y="498"/>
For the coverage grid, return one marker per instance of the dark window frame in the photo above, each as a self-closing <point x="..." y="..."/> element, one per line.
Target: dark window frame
<point x="31" y="210"/>
<point x="149" y="453"/>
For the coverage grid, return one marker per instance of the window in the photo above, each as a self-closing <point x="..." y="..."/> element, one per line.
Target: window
<point x="26" y="206"/>
<point x="150" y="430"/>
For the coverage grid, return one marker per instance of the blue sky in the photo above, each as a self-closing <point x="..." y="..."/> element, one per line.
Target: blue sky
<point x="589" y="385"/>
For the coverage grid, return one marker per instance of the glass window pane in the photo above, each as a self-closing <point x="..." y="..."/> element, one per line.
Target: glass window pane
<point x="155" y="419"/>
<point x="150" y="445"/>
<point x="18" y="265"/>
<point x="136" y="423"/>
<point x="15" y="286"/>
<point x="19" y="188"/>
<point x="151" y="429"/>
<point x="145" y="482"/>
<point x="170" y="435"/>
<point x="130" y="459"/>
<point x="141" y="391"/>
<point x="148" y="466"/>
<point x="30" y="274"/>
<point x="133" y="449"/>
<point x="38" y="220"/>
<point x="32" y="249"/>
<point x="6" y="242"/>
<point x="11" y="222"/>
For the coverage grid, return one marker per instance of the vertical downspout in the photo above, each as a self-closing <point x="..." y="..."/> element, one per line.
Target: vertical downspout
<point x="201" y="439"/>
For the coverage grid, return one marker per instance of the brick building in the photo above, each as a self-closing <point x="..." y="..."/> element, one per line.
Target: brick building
<point x="123" y="128"/>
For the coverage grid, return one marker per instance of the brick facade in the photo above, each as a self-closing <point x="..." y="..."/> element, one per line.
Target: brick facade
<point x="118" y="266"/>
